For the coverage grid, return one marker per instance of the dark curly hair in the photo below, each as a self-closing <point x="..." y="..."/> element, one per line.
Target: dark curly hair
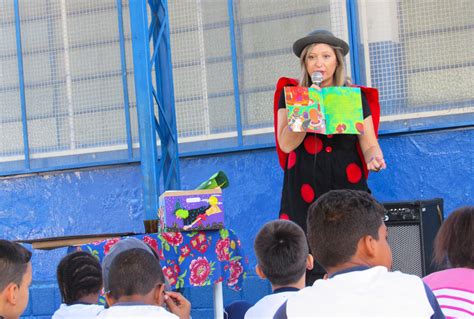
<point x="338" y="220"/>
<point x="79" y="274"/>
<point x="454" y="243"/>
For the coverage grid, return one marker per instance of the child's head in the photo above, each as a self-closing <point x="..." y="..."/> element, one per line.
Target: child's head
<point x="120" y="246"/>
<point x="454" y="243"/>
<point x="15" y="278"/>
<point x="136" y="272"/>
<point x="79" y="276"/>
<point x="345" y="225"/>
<point x="282" y="252"/>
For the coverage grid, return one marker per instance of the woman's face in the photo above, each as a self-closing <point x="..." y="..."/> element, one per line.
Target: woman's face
<point x="322" y="58"/>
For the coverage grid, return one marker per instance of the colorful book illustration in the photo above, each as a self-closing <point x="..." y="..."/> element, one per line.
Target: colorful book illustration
<point x="333" y="110"/>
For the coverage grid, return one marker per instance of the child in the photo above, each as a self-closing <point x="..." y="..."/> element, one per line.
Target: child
<point x="120" y="246"/>
<point x="454" y="249"/>
<point x="15" y="279"/>
<point x="80" y="281"/>
<point x="136" y="284"/>
<point x="282" y="257"/>
<point x="348" y="237"/>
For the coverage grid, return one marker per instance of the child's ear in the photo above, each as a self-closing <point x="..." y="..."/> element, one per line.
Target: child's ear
<point x="159" y="295"/>
<point x="368" y="247"/>
<point x="12" y="293"/>
<point x="259" y="272"/>
<point x="110" y="300"/>
<point x="309" y="262"/>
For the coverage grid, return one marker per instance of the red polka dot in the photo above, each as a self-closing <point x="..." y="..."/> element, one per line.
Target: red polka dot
<point x="354" y="173"/>
<point x="328" y="149"/>
<point x="313" y="144"/>
<point x="330" y="135"/>
<point x="291" y="160"/>
<point x="307" y="193"/>
<point x="284" y="216"/>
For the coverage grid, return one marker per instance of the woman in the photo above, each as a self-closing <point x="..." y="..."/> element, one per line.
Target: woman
<point x="454" y="249"/>
<point x="314" y="163"/>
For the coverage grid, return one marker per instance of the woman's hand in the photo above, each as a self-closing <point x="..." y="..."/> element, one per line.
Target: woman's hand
<point x="314" y="86"/>
<point x="376" y="163"/>
<point x="370" y="147"/>
<point x="287" y="139"/>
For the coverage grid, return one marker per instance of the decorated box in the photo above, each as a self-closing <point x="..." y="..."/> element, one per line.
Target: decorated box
<point x="191" y="210"/>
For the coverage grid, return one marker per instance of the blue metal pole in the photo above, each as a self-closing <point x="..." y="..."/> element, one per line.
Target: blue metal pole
<point x="126" y="103"/>
<point x="21" y="80"/>
<point x="354" y="40"/>
<point x="171" y="174"/>
<point x="235" y="71"/>
<point x="146" y="116"/>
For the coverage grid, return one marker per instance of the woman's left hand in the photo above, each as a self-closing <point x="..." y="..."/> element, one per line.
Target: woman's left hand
<point x="376" y="163"/>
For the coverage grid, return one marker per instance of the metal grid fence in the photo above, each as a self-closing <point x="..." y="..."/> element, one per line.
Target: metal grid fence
<point x="71" y="89"/>
<point x="73" y="76"/>
<point x="422" y="60"/>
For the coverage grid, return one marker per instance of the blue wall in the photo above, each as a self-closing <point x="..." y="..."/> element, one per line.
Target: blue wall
<point x="420" y="166"/>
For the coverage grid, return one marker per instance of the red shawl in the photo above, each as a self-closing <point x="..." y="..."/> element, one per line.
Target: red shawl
<point x="371" y="94"/>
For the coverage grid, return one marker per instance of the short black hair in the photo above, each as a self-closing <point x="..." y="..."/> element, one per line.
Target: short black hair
<point x="338" y="220"/>
<point x="14" y="259"/>
<point x="281" y="249"/>
<point x="79" y="274"/>
<point x="134" y="272"/>
<point x="454" y="243"/>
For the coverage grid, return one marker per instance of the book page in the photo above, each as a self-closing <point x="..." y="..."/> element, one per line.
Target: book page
<point x="343" y="110"/>
<point x="305" y="110"/>
<point x="333" y="110"/>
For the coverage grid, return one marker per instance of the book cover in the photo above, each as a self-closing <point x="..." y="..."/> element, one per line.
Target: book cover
<point x="333" y="110"/>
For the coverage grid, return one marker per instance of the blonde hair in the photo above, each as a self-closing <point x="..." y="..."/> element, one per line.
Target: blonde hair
<point x="340" y="77"/>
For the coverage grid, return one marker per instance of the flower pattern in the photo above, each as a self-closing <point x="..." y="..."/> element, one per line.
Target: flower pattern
<point x="236" y="270"/>
<point x="222" y="249"/>
<point x="200" y="270"/>
<point x="153" y="243"/>
<point x="173" y="238"/>
<point x="191" y="258"/>
<point x="109" y="243"/>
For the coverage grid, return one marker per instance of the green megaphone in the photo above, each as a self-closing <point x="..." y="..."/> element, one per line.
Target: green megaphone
<point x="219" y="179"/>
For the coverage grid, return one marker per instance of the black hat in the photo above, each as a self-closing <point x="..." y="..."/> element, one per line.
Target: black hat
<point x="319" y="36"/>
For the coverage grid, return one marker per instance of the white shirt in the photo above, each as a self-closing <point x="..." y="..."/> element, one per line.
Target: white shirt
<point x="125" y="311"/>
<point x="77" y="311"/>
<point x="373" y="292"/>
<point x="268" y="305"/>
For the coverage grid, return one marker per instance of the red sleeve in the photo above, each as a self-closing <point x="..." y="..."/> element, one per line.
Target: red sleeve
<point x="282" y="82"/>
<point x="372" y="96"/>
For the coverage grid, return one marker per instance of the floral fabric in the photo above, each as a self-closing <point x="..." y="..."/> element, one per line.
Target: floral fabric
<point x="191" y="259"/>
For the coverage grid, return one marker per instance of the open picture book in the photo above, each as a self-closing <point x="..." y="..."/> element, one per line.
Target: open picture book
<point x="333" y="110"/>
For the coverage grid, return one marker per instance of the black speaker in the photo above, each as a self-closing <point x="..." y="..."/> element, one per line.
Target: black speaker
<point x="412" y="227"/>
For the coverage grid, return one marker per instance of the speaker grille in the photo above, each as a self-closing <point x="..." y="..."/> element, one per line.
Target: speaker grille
<point x="406" y="248"/>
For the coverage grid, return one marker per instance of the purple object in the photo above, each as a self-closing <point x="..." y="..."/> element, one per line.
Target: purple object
<point x="191" y="210"/>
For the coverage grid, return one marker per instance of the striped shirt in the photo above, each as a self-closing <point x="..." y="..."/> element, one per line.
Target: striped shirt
<point x="454" y="289"/>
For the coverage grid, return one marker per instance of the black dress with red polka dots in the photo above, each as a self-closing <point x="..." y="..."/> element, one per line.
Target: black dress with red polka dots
<point x="319" y="164"/>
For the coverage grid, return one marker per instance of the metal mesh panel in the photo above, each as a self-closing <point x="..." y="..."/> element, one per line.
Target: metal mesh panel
<point x="73" y="77"/>
<point x="202" y="69"/>
<point x="264" y="34"/>
<point x="11" y="140"/>
<point x="406" y="248"/>
<point x="420" y="56"/>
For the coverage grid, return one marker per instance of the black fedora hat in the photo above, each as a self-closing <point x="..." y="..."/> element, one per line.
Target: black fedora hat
<point x="319" y="36"/>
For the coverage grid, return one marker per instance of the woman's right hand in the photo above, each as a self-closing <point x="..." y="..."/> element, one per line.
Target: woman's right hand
<point x="287" y="139"/>
<point x="314" y="86"/>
